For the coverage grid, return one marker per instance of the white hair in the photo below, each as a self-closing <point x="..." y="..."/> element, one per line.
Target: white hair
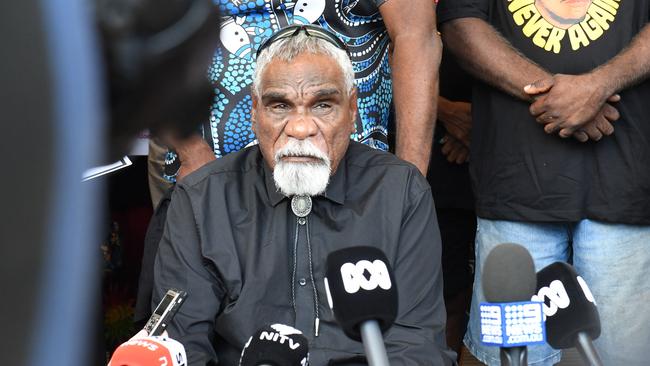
<point x="301" y="178"/>
<point x="288" y="48"/>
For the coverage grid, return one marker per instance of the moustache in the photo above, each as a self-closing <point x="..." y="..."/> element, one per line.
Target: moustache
<point x="301" y="149"/>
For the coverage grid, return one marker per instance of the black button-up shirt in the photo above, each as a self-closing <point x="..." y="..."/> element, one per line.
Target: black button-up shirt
<point x="229" y="242"/>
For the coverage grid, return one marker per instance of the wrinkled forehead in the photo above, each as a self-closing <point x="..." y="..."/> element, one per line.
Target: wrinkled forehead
<point x="311" y="71"/>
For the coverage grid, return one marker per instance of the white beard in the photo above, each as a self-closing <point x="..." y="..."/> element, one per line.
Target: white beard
<point x="298" y="178"/>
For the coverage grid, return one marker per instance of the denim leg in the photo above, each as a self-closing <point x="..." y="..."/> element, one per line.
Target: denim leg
<point x="547" y="243"/>
<point x="614" y="260"/>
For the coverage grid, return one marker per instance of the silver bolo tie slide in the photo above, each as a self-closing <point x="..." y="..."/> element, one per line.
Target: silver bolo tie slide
<point x="301" y="205"/>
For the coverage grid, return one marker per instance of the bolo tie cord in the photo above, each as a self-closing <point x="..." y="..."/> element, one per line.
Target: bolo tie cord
<point x="311" y="273"/>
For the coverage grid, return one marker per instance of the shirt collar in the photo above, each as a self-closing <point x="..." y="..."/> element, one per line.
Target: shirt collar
<point x="335" y="191"/>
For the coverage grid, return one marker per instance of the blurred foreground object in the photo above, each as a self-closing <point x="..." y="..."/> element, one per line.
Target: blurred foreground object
<point x="157" y="55"/>
<point x="52" y="99"/>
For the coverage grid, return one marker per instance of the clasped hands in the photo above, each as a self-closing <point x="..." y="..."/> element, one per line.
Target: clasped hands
<point x="574" y="105"/>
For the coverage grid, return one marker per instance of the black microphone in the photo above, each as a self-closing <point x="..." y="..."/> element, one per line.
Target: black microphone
<point x="509" y="277"/>
<point x="276" y="345"/>
<point x="571" y="315"/>
<point x="362" y="294"/>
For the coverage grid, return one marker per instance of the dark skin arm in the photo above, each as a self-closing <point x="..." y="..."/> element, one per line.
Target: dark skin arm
<point x="456" y="117"/>
<point x="557" y="108"/>
<point x="489" y="57"/>
<point x="454" y="150"/>
<point x="416" y="51"/>
<point x="193" y="153"/>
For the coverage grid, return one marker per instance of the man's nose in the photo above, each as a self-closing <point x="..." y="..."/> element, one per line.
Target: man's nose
<point x="301" y="126"/>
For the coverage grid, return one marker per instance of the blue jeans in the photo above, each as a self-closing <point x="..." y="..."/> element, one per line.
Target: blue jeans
<point x="613" y="259"/>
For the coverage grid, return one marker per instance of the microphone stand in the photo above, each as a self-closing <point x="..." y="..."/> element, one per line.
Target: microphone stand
<point x="373" y="343"/>
<point x="586" y="349"/>
<point x="514" y="356"/>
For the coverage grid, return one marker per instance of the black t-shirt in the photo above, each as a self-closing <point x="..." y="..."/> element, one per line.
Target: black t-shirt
<point x="519" y="172"/>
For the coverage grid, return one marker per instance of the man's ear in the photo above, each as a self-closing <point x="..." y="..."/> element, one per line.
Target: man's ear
<point x="254" y="111"/>
<point x="354" y="109"/>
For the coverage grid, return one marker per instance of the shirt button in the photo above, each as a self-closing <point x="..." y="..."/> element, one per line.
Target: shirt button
<point x="301" y="220"/>
<point x="302" y="282"/>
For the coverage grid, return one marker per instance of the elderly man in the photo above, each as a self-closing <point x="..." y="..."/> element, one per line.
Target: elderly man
<point x="584" y="201"/>
<point x="247" y="258"/>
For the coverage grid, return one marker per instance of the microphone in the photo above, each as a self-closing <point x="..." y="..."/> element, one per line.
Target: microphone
<point x="571" y="315"/>
<point x="509" y="320"/>
<point x="276" y="345"/>
<point x="149" y="351"/>
<point x="362" y="294"/>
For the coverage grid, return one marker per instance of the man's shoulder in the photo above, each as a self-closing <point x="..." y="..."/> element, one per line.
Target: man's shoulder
<point x="362" y="155"/>
<point x="231" y="165"/>
<point x="362" y="159"/>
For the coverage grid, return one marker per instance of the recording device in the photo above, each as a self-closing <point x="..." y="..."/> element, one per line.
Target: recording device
<point x="362" y="294"/>
<point x="276" y="345"/>
<point x="148" y="351"/>
<point x="572" y="318"/>
<point x="509" y="320"/>
<point x="164" y="312"/>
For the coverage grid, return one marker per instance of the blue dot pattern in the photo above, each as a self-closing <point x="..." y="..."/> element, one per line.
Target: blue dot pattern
<point x="247" y="23"/>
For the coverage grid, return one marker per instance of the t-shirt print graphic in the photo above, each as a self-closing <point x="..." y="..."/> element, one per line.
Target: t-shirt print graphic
<point x="548" y="22"/>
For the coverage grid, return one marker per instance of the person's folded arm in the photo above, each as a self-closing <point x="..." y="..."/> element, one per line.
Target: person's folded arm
<point x="489" y="57"/>
<point x="570" y="100"/>
<point x="180" y="264"/>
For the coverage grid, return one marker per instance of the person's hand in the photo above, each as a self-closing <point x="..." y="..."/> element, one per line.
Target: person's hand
<point x="600" y="126"/>
<point x="193" y="153"/>
<point x="456" y="117"/>
<point x="567" y="103"/>
<point x="454" y="150"/>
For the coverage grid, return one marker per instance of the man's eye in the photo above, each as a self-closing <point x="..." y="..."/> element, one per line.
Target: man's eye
<point x="323" y="106"/>
<point x="280" y="106"/>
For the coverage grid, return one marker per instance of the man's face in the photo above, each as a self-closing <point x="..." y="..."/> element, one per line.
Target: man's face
<point x="563" y="13"/>
<point x="303" y="102"/>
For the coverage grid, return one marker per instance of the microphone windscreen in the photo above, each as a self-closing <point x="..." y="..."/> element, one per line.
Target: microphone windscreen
<point x="148" y="351"/>
<point x="360" y="286"/>
<point x="569" y="305"/>
<point x="278" y="345"/>
<point x="508" y="274"/>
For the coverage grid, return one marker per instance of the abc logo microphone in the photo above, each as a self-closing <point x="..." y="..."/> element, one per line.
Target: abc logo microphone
<point x="362" y="294"/>
<point x="149" y="351"/>
<point x="276" y="345"/>
<point x="572" y="318"/>
<point x="509" y="320"/>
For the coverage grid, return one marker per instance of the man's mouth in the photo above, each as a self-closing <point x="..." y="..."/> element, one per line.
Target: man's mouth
<point x="300" y="158"/>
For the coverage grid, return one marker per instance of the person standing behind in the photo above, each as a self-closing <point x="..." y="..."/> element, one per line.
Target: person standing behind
<point x="450" y="185"/>
<point x="585" y="201"/>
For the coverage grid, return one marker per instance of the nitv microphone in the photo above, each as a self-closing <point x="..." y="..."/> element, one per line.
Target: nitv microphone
<point x="276" y="345"/>
<point x="571" y="315"/>
<point x="362" y="294"/>
<point x="149" y="351"/>
<point x="509" y="320"/>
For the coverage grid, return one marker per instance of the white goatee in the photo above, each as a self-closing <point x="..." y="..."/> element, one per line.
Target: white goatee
<point x="301" y="178"/>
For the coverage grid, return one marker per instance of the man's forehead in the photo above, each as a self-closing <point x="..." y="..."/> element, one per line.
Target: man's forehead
<point x="280" y="89"/>
<point x="308" y="70"/>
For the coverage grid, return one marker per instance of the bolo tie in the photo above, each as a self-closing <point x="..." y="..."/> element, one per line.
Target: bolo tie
<point x="301" y="207"/>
